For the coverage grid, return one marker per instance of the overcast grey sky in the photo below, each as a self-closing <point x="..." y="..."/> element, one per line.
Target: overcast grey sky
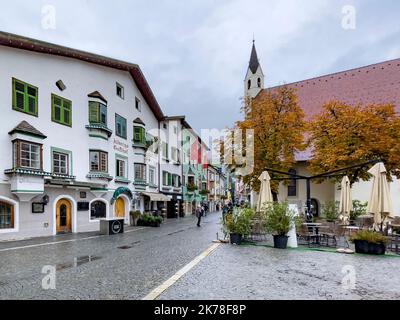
<point x="195" y="53"/>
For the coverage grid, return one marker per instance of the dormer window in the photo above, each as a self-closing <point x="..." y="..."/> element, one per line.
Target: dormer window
<point x="259" y="82"/>
<point x="249" y="84"/>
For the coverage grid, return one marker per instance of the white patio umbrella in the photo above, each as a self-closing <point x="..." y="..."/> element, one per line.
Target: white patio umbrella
<point x="380" y="201"/>
<point x="265" y="190"/>
<point x="346" y="202"/>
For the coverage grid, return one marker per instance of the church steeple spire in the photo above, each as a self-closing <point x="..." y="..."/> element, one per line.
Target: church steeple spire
<point x="254" y="81"/>
<point x="254" y="63"/>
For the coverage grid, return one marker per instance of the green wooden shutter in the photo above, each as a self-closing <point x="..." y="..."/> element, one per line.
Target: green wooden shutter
<point x="67" y="113"/>
<point x="94" y="115"/>
<point x="31" y="98"/>
<point x="24" y="97"/>
<point x="169" y="179"/>
<point x="137" y="134"/>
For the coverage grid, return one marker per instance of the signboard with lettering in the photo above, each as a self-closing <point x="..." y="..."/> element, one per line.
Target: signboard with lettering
<point x="121" y="146"/>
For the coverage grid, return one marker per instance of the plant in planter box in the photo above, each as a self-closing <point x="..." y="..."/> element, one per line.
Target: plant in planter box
<point x="330" y="210"/>
<point x="134" y="215"/>
<point x="278" y="221"/>
<point x="238" y="224"/>
<point x="359" y="208"/>
<point x="150" y="220"/>
<point x="369" y="242"/>
<point x="191" y="187"/>
<point x="204" y="192"/>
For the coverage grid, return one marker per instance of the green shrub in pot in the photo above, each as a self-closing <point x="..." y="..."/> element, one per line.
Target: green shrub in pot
<point x="278" y="220"/>
<point x="369" y="242"/>
<point x="238" y="224"/>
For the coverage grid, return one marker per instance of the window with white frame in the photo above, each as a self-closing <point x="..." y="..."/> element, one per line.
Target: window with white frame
<point x="120" y="90"/>
<point x="98" y="161"/>
<point x="140" y="172"/>
<point x="60" y="163"/>
<point x="167" y="179"/>
<point x="121" y="168"/>
<point x="6" y="215"/>
<point x="152" y="175"/>
<point x="165" y="150"/>
<point x="138" y="105"/>
<point x="27" y="155"/>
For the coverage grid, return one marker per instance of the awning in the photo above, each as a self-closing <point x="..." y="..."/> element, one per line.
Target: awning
<point x="156" y="196"/>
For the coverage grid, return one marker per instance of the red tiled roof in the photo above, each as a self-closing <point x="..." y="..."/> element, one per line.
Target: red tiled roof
<point x="373" y="84"/>
<point x="377" y="83"/>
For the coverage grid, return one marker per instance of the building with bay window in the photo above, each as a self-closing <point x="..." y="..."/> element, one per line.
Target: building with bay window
<point x="78" y="138"/>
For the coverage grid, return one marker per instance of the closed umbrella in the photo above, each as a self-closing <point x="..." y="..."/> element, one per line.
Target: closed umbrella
<point x="380" y="201"/>
<point x="346" y="203"/>
<point x="265" y="190"/>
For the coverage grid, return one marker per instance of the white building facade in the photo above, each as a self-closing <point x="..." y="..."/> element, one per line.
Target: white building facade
<point x="77" y="139"/>
<point x="171" y="164"/>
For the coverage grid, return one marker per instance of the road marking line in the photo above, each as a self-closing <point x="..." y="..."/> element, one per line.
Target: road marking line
<point x="154" y="294"/>
<point x="59" y="242"/>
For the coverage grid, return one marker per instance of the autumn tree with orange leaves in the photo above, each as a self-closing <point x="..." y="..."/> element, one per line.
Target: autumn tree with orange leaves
<point x="278" y="124"/>
<point x="343" y="135"/>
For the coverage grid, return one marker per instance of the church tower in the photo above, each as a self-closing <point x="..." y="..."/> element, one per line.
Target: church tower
<point x="254" y="81"/>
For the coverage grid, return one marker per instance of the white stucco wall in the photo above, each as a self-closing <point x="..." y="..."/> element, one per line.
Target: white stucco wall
<point x="80" y="78"/>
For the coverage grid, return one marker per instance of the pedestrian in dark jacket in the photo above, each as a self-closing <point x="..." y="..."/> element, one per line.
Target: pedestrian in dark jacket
<point x="199" y="214"/>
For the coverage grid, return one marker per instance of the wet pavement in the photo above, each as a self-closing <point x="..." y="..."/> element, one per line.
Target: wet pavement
<point x="129" y="266"/>
<point x="258" y="273"/>
<point x="91" y="266"/>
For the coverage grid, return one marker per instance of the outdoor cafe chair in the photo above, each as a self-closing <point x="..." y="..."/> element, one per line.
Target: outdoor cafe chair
<point x="307" y="237"/>
<point x="328" y="235"/>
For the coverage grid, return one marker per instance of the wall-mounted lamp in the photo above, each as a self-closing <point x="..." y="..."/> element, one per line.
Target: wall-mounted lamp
<point x="45" y="199"/>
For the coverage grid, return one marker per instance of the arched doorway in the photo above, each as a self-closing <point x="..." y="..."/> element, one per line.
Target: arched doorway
<point x="119" y="208"/>
<point x="64" y="216"/>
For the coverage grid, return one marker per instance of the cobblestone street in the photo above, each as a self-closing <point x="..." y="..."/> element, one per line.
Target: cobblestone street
<point x="258" y="273"/>
<point x="151" y="255"/>
<point x="131" y="265"/>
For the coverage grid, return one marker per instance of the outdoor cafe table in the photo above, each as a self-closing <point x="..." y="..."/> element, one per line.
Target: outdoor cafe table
<point x="315" y="227"/>
<point x="349" y="229"/>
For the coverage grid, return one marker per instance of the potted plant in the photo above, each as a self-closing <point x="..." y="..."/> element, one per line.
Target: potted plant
<point x="204" y="192"/>
<point x="148" y="220"/>
<point x="278" y="221"/>
<point x="359" y="208"/>
<point x="238" y="224"/>
<point x="369" y="242"/>
<point x="330" y="210"/>
<point x="191" y="187"/>
<point x="134" y="217"/>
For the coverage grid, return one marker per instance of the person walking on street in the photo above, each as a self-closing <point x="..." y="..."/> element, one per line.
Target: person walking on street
<point x="199" y="214"/>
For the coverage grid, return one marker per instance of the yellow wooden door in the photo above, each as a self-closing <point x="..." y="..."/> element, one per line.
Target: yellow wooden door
<point x="63" y="214"/>
<point x="120" y="208"/>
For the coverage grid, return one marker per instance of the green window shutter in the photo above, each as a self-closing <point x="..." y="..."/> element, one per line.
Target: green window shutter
<point x="67" y="116"/>
<point x="24" y="97"/>
<point x="137" y="134"/>
<point x="61" y="110"/>
<point x="169" y="179"/>
<point x="143" y="135"/>
<point x="31" y="99"/>
<point x="93" y="112"/>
